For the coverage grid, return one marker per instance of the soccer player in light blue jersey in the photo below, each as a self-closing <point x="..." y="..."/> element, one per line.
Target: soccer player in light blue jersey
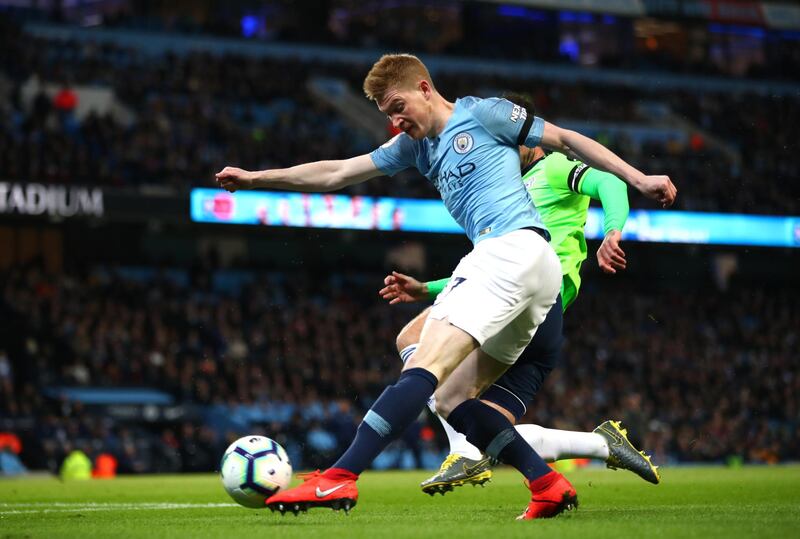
<point x="498" y="294"/>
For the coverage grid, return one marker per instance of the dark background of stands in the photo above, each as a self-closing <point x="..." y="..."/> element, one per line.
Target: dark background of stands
<point x="281" y="332"/>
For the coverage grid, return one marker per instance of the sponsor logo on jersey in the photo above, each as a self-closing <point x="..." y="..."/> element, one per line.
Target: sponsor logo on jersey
<point x="450" y="180"/>
<point x="518" y="113"/>
<point x="463" y="143"/>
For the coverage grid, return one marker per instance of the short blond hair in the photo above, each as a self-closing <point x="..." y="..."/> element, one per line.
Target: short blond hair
<point x="392" y="71"/>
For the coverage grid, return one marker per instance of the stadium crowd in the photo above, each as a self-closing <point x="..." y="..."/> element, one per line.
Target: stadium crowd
<point x="191" y="113"/>
<point x="696" y="376"/>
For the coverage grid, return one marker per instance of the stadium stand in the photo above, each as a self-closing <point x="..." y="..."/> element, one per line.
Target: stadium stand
<point x="159" y="366"/>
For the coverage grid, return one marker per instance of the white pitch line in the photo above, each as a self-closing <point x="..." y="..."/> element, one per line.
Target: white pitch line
<point x="67" y="507"/>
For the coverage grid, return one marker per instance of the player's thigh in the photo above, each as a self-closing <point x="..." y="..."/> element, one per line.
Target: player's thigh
<point x="515" y="389"/>
<point x="442" y="347"/>
<point x="468" y="380"/>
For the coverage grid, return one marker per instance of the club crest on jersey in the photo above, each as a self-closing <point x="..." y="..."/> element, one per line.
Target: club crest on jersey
<point x="463" y="143"/>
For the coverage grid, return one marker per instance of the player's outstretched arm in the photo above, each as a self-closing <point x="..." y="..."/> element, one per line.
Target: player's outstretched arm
<point x="319" y="176"/>
<point x="566" y="141"/>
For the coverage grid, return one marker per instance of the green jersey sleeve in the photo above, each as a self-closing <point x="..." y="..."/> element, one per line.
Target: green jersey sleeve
<point x="612" y="194"/>
<point x="435" y="287"/>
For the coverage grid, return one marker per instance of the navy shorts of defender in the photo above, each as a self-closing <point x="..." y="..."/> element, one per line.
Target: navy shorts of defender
<point x="515" y="390"/>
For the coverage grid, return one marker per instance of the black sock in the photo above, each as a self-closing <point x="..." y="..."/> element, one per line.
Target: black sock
<point x="396" y="408"/>
<point x="491" y="432"/>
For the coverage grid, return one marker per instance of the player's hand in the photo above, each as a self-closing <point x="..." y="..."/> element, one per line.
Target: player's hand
<point x="402" y="289"/>
<point x="233" y="179"/>
<point x="660" y="188"/>
<point x="610" y="257"/>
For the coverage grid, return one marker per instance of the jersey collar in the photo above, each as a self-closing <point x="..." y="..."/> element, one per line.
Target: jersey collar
<point x="530" y="167"/>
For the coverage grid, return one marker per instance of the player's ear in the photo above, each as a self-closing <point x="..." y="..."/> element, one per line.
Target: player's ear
<point x="426" y="89"/>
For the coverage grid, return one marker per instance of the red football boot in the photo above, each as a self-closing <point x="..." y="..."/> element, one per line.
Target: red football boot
<point x="551" y="495"/>
<point x="316" y="491"/>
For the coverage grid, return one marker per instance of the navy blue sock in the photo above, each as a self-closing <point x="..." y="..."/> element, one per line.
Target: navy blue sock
<point x="491" y="432"/>
<point x="396" y="408"/>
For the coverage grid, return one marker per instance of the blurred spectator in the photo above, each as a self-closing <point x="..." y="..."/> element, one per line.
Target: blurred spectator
<point x="10" y="448"/>
<point x="105" y="466"/>
<point x="76" y="466"/>
<point x="65" y="100"/>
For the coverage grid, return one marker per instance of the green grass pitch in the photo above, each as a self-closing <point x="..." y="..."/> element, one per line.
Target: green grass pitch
<point x="691" y="502"/>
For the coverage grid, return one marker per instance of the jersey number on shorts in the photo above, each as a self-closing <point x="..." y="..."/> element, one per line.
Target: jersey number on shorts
<point x="454" y="282"/>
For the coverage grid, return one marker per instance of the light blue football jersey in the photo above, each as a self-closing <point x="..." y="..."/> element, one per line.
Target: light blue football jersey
<point x="474" y="164"/>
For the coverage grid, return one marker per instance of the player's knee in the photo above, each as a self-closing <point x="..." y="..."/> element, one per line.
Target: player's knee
<point x="405" y="339"/>
<point x="448" y="398"/>
<point x="411" y="333"/>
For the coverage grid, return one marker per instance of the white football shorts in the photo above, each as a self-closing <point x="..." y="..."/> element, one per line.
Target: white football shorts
<point x="501" y="291"/>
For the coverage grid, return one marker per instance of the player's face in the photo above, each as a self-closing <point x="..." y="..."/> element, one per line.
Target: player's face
<point x="409" y="110"/>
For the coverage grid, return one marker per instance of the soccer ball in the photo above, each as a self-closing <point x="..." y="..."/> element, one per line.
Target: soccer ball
<point x="254" y="468"/>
